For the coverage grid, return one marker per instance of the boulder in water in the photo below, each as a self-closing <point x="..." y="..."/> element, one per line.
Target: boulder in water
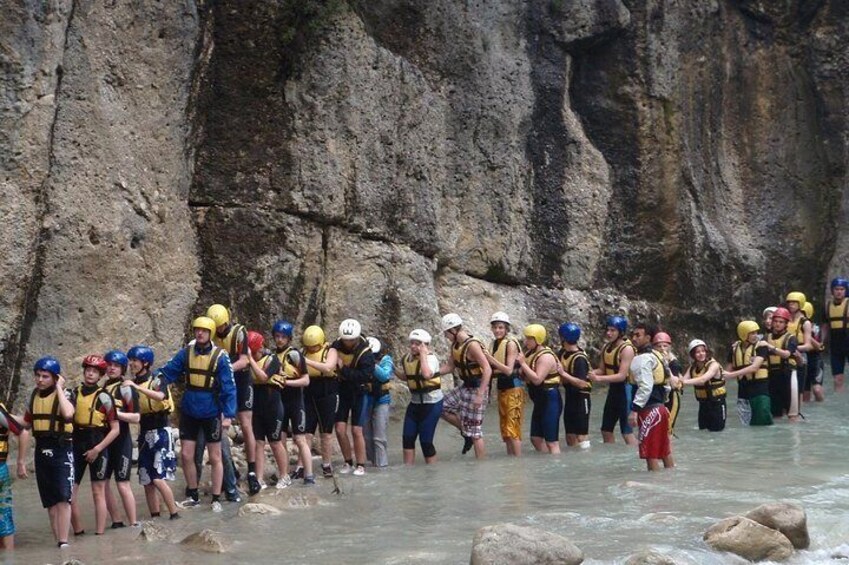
<point x="258" y="508"/>
<point x="207" y="540"/>
<point x="649" y="557"/>
<point x="789" y="519"/>
<point x="282" y="499"/>
<point x="153" y="531"/>
<point x="748" y="539"/>
<point x="510" y="544"/>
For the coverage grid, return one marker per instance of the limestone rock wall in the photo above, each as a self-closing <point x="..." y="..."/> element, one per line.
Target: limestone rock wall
<point x="392" y="160"/>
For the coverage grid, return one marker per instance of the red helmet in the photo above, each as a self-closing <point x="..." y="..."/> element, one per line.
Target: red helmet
<point x="781" y="313"/>
<point x="95" y="361"/>
<point x="255" y="341"/>
<point x="661" y="337"/>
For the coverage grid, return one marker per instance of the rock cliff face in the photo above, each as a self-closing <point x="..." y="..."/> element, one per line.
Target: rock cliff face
<point x="393" y="160"/>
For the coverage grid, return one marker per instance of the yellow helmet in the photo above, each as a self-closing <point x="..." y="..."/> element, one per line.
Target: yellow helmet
<point x="219" y="314"/>
<point x="537" y="332"/>
<point x="746" y="327"/>
<point x="313" y="336"/>
<point x="796" y="297"/>
<point x="204" y="323"/>
<point x="808" y="309"/>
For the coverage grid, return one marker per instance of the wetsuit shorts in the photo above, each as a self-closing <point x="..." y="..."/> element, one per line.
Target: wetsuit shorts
<point x="545" y="418"/>
<point x="576" y="414"/>
<point x="120" y="458"/>
<point x="760" y="406"/>
<point x="617" y="406"/>
<point x="191" y="427"/>
<point x="7" y="519"/>
<point x="157" y="460"/>
<point x="460" y="401"/>
<point x="420" y="421"/>
<point x="85" y="440"/>
<point x="244" y="391"/>
<point x="838" y="350"/>
<point x="511" y="411"/>
<point x="268" y="420"/>
<point x="673" y="405"/>
<point x="712" y="414"/>
<point x="814" y="376"/>
<point x="321" y="412"/>
<point x="54" y="470"/>
<point x="352" y="405"/>
<point x="653" y="432"/>
<point x="294" y="412"/>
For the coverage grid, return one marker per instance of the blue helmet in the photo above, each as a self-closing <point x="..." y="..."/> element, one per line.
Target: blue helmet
<point x="49" y="364"/>
<point x="282" y="327"/>
<point x="570" y="332"/>
<point x="117" y="357"/>
<point x="840" y="281"/>
<point x="141" y="352"/>
<point x="618" y="322"/>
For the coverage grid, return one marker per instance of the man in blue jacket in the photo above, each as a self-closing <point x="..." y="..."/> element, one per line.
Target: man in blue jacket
<point x="209" y="404"/>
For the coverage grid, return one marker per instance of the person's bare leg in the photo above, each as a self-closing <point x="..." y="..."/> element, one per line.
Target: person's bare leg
<point x="214" y="451"/>
<point x="187" y="454"/>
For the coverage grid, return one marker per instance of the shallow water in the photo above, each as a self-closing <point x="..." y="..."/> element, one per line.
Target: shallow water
<point x="601" y="498"/>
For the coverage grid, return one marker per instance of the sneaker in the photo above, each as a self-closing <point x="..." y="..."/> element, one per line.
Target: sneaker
<point x="360" y="471"/>
<point x="297" y="474"/>
<point x="216" y="506"/>
<point x="63" y="545"/>
<point x="468" y="444"/>
<point x="174" y="516"/>
<point x="346" y="469"/>
<point x="327" y="471"/>
<point x="233" y="496"/>
<point x="116" y="525"/>
<point x="309" y="479"/>
<point x="189" y="503"/>
<point x="262" y="485"/>
<point x="284" y="482"/>
<point x="253" y="484"/>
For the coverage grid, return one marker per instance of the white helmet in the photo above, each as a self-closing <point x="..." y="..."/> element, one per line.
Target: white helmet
<point x="374" y="344"/>
<point x="451" y="321"/>
<point x="350" y="329"/>
<point x="500" y="317"/>
<point x="769" y="310"/>
<point x="420" y="335"/>
<point x="694" y="344"/>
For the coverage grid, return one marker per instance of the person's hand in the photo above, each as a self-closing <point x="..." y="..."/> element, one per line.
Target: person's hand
<point x="632" y="419"/>
<point x="423" y="350"/>
<point x="225" y="423"/>
<point x="594" y="377"/>
<point x="60" y="382"/>
<point x="91" y="454"/>
<point x="22" y="470"/>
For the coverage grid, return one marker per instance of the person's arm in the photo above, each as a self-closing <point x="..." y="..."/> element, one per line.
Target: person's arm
<point x="383" y="370"/>
<point x="126" y="410"/>
<point x="545" y="365"/>
<point x="174" y="369"/>
<point x="19" y="428"/>
<point x="157" y="390"/>
<point x="260" y="374"/>
<point x="784" y="353"/>
<point x="329" y="364"/>
<point x="709" y="374"/>
<point x="625" y="358"/>
<point x="475" y="351"/>
<point x="66" y="408"/>
<point x="107" y="408"/>
<point x="362" y="372"/>
<point x="807" y="343"/>
<point x="226" y="389"/>
<point x="242" y="358"/>
<point x="447" y="368"/>
<point x="510" y="355"/>
<point x="304" y="379"/>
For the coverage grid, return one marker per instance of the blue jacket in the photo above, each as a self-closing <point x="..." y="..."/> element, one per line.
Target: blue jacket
<point x="382" y="374"/>
<point x="199" y="404"/>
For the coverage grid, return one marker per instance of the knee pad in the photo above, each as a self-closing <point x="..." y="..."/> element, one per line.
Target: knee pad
<point x="428" y="449"/>
<point x="409" y="442"/>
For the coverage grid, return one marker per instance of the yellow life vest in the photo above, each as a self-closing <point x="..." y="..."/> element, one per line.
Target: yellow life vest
<point x="568" y="359"/>
<point x="714" y="388"/>
<point x="774" y="361"/>
<point x="797" y="329"/>
<point x="415" y="379"/>
<point x="838" y="314"/>
<point x="86" y="414"/>
<point x="469" y="370"/>
<point x="350" y="359"/>
<point x="319" y="356"/>
<point x="552" y="380"/>
<point x="4" y="444"/>
<point x="288" y="370"/>
<point x="147" y="405"/>
<point x="742" y="356"/>
<point x="660" y="373"/>
<point x="46" y="420"/>
<point x="263" y="364"/>
<point x="201" y="369"/>
<point x="611" y="355"/>
<point x="230" y="341"/>
<point x="499" y="351"/>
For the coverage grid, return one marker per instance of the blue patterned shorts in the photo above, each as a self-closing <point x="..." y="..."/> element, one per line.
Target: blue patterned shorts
<point x="7" y="521"/>
<point x="156" y="456"/>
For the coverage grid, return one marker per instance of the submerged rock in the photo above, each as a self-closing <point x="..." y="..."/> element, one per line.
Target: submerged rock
<point x="153" y="531"/>
<point x="258" y="508"/>
<point x="789" y="519"/>
<point x="648" y="557"/>
<point x="748" y="539"/>
<point x="511" y="544"/>
<point x="207" y="540"/>
<point x="283" y="499"/>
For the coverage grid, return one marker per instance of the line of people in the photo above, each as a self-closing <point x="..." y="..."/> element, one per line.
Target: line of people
<point x="343" y="387"/>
